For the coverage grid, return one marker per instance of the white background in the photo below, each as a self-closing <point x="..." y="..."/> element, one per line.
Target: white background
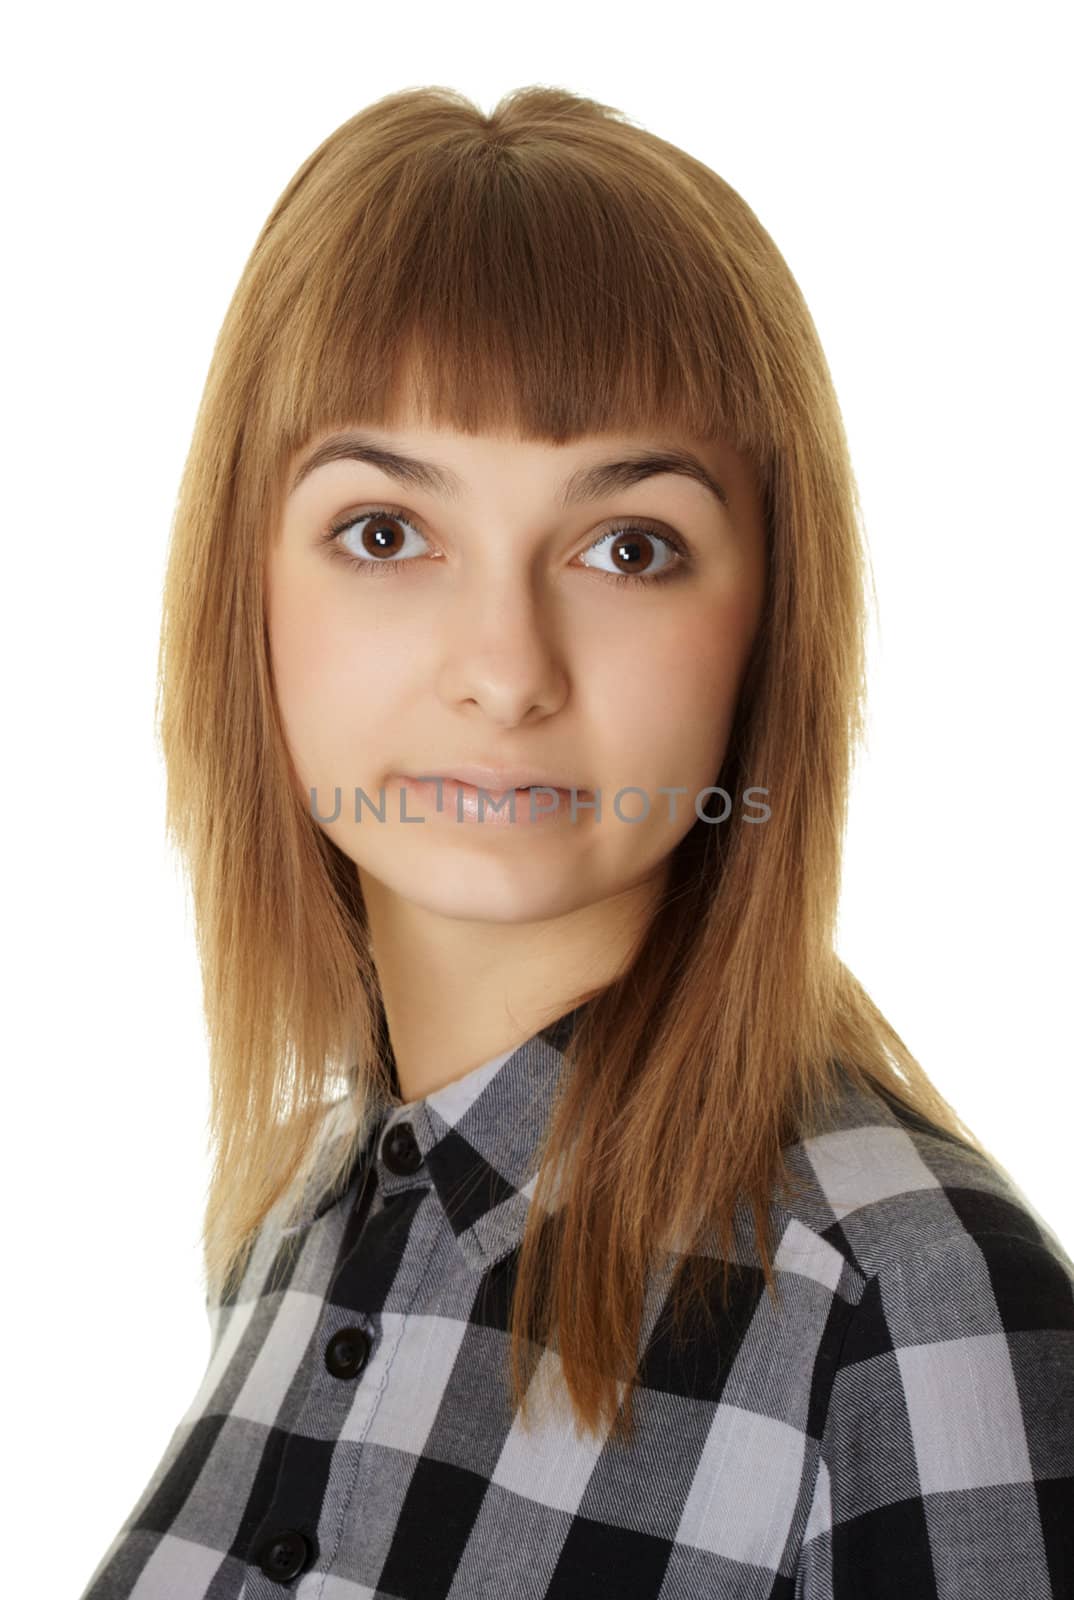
<point x="910" y="164"/>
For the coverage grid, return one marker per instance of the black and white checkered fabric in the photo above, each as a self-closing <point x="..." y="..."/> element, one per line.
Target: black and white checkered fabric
<point x="901" y="1429"/>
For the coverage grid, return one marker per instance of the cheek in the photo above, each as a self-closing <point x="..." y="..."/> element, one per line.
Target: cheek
<point x="720" y="649"/>
<point x="718" y="644"/>
<point x="669" y="686"/>
<point x="333" y="670"/>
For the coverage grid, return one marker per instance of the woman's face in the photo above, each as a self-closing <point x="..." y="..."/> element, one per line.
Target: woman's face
<point x="489" y="621"/>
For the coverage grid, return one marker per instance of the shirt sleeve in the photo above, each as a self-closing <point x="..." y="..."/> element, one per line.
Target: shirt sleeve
<point x="946" y="1468"/>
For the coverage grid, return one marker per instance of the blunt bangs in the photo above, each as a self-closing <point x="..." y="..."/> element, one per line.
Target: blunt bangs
<point x="498" y="290"/>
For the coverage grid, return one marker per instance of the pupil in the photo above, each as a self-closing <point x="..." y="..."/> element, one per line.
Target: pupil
<point x="383" y="535"/>
<point x="632" y="552"/>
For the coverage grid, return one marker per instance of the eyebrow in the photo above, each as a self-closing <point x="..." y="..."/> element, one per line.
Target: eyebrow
<point x="588" y="483"/>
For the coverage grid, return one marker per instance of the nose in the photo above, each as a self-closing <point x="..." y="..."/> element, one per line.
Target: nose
<point x="502" y="652"/>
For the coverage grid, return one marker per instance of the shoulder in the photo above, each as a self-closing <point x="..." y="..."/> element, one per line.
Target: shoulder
<point x="973" y="1335"/>
<point x="948" y="1434"/>
<point x="949" y="1279"/>
<point x="887" y="1189"/>
<point x="946" y="1458"/>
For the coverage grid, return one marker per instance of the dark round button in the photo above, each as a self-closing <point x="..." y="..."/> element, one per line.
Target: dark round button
<point x="283" y="1554"/>
<point x="347" y="1352"/>
<point x="400" y="1150"/>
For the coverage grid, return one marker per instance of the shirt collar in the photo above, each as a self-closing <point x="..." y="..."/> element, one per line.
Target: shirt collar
<point x="478" y="1137"/>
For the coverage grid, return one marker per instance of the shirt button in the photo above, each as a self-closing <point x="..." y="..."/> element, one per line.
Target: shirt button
<point x="283" y="1555"/>
<point x="347" y="1352"/>
<point x="400" y="1150"/>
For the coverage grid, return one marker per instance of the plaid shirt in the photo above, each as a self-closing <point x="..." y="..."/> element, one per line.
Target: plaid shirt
<point x="904" y="1427"/>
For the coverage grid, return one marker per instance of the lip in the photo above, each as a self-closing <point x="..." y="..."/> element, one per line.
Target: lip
<point x="459" y="801"/>
<point x="499" y="780"/>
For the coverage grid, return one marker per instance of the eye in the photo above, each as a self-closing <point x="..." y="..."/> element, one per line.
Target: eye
<point x="376" y="542"/>
<point x="633" y="544"/>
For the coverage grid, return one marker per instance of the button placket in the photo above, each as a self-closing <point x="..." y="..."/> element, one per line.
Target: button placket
<point x="400" y="1156"/>
<point x="400" y="1150"/>
<point x="284" y="1553"/>
<point x="347" y="1352"/>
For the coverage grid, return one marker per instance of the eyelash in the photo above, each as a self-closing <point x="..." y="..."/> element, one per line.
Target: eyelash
<point x="331" y="539"/>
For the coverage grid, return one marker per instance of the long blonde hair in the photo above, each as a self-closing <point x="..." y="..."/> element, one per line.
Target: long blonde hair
<point x="554" y="266"/>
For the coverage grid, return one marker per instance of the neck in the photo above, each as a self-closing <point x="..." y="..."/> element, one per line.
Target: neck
<point x="458" y="992"/>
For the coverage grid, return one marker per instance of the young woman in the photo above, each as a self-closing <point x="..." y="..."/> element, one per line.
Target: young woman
<point x="578" y="1225"/>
